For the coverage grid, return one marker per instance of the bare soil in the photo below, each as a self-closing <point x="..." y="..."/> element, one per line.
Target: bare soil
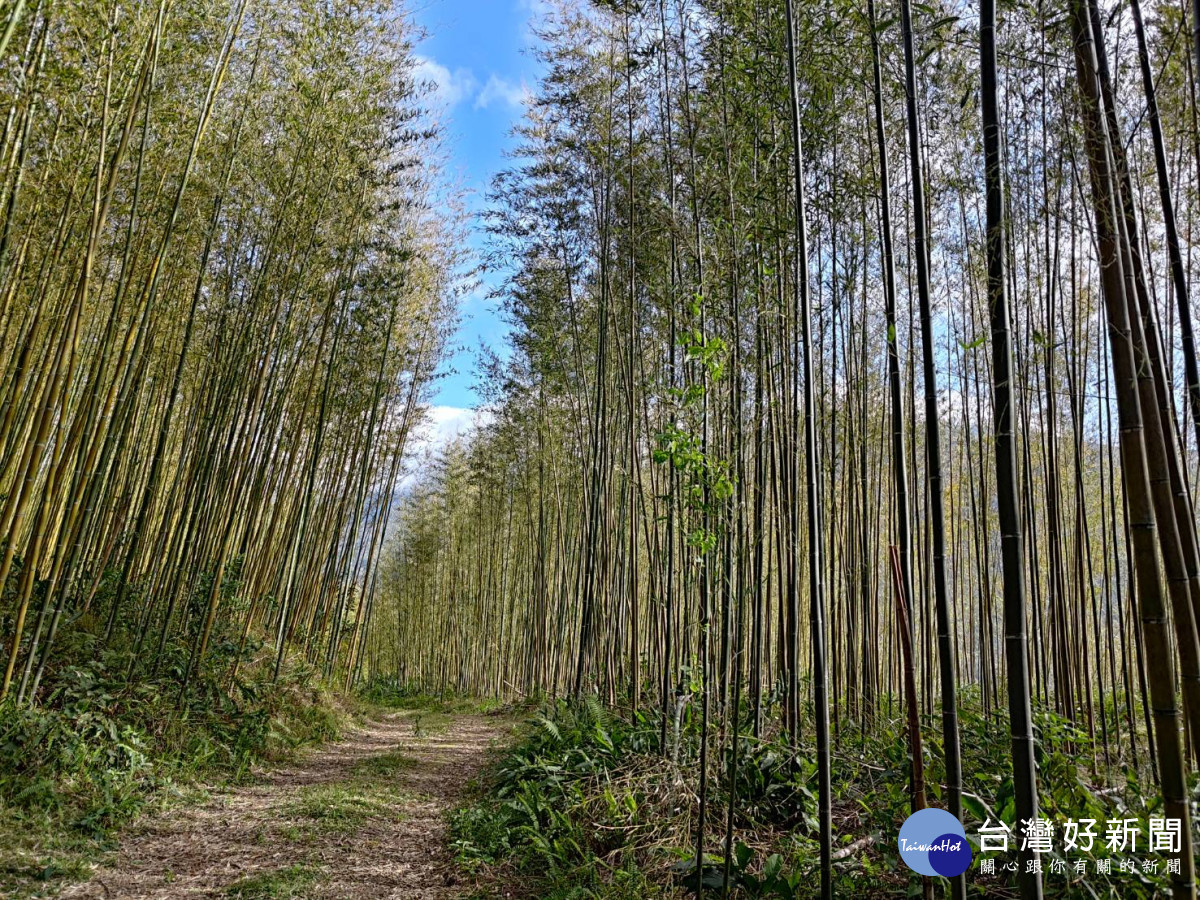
<point x="362" y="818"/>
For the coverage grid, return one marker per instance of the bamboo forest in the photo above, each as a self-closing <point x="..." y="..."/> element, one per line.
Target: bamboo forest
<point x="821" y="520"/>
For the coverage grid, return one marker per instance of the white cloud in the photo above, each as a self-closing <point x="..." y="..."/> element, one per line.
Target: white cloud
<point x="445" y="423"/>
<point x="503" y="90"/>
<point x="537" y="12"/>
<point x="449" y="88"/>
<point x="537" y="9"/>
<point x="442" y="425"/>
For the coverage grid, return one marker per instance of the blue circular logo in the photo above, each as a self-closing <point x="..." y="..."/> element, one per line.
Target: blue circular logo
<point x="933" y="842"/>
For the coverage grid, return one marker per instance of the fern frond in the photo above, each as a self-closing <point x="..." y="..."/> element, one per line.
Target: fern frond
<point x="550" y="728"/>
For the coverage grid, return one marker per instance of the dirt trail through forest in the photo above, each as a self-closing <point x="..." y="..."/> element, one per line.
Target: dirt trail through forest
<point x="360" y="818"/>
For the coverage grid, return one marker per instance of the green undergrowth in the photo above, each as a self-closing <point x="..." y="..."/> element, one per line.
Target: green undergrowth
<point x="432" y="713"/>
<point x="388" y="693"/>
<point x="535" y="820"/>
<point x="103" y="745"/>
<point x="294" y="881"/>
<point x="587" y="804"/>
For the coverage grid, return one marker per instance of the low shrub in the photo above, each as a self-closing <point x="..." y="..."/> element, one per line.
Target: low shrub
<point x="585" y="805"/>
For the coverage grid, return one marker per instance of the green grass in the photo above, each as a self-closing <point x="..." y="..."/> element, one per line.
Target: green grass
<point x="40" y="851"/>
<point x="339" y="807"/>
<point x="383" y="765"/>
<point x="294" y="881"/>
<point x="37" y="874"/>
<point x="431" y="722"/>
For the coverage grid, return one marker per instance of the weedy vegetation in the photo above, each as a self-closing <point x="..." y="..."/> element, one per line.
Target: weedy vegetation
<point x="588" y="804"/>
<point x="101" y="750"/>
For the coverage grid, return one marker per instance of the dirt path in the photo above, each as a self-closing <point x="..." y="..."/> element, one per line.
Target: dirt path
<point x="357" y="819"/>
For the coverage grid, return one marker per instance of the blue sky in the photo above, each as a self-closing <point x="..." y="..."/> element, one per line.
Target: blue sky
<point x="477" y="53"/>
